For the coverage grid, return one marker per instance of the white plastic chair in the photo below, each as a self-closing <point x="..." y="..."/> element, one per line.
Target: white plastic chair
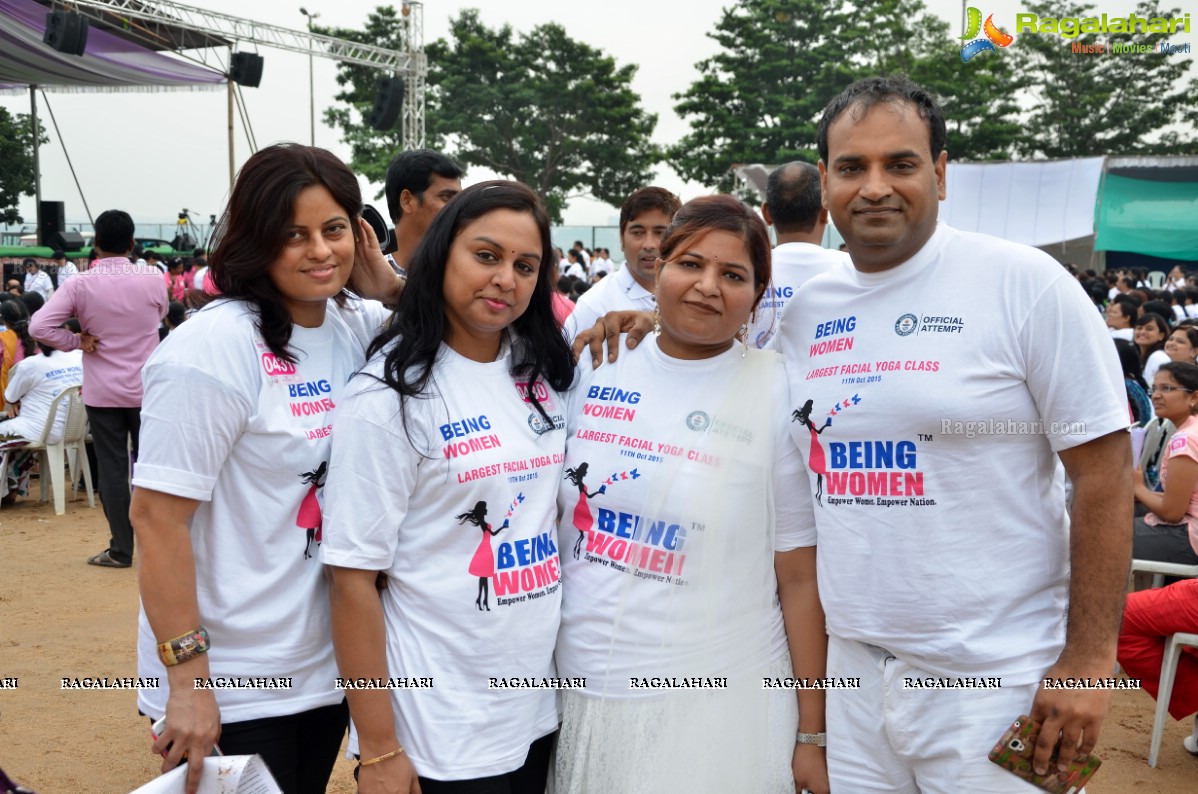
<point x="1173" y="646"/>
<point x="1168" y="671"/>
<point x="72" y="447"/>
<point x="1160" y="570"/>
<point x="1156" y="279"/>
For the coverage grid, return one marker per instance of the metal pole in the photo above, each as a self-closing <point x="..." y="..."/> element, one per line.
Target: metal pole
<point x="37" y="165"/>
<point x="963" y="18"/>
<point x="230" y="135"/>
<point x="311" y="80"/>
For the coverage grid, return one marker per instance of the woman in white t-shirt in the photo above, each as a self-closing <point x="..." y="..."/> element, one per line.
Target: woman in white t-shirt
<point x="235" y="432"/>
<point x="696" y="578"/>
<point x="1151" y="331"/>
<point x="447" y="449"/>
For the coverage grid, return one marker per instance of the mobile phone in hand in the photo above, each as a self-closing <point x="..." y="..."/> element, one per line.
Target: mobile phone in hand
<point x="1014" y="753"/>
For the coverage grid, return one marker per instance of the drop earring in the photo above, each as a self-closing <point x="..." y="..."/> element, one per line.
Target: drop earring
<point x="657" y="320"/>
<point x="744" y="339"/>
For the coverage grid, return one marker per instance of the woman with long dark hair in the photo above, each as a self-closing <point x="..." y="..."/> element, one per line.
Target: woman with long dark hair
<point x="698" y="580"/>
<point x="234" y="438"/>
<point x="1151" y="331"/>
<point x="15" y="341"/>
<point x="459" y="405"/>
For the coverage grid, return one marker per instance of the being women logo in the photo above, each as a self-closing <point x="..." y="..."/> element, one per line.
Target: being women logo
<point x="993" y="37"/>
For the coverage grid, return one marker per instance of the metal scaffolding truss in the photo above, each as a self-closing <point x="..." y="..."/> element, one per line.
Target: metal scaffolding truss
<point x="167" y="25"/>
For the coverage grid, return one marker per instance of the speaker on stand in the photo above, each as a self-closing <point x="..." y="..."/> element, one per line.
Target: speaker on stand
<point x="66" y="31"/>
<point x="388" y="103"/>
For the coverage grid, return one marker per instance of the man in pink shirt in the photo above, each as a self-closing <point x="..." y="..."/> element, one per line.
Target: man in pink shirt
<point x="119" y="305"/>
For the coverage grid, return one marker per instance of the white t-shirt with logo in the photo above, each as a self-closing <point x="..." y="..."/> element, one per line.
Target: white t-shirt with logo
<point x="793" y="265"/>
<point x="628" y="423"/>
<point x="472" y="444"/>
<point x="247" y="434"/>
<point x="35" y="381"/>
<point x="617" y="291"/>
<point x="931" y="440"/>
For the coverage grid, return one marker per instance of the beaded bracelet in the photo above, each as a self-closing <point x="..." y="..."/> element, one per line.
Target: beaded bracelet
<point x="382" y="757"/>
<point x="185" y="647"/>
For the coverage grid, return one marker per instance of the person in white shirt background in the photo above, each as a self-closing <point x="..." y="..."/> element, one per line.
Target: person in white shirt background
<point x="36" y="280"/>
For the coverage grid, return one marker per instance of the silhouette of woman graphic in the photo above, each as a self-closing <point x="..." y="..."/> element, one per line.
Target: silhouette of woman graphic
<point x="583" y="520"/>
<point x="815" y="458"/>
<point x="309" y="516"/>
<point x="482" y="564"/>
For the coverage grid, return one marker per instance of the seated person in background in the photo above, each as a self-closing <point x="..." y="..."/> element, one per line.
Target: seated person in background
<point x="1169" y="532"/>
<point x="1151" y="331"/>
<point x="1120" y="314"/>
<point x="1149" y="618"/>
<point x="1137" y="388"/>
<point x="1182" y="344"/>
<point x="32" y="386"/>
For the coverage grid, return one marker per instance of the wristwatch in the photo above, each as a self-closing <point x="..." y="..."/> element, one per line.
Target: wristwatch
<point x="818" y="739"/>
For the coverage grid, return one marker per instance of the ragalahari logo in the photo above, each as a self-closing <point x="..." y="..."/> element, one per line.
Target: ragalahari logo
<point x="978" y="44"/>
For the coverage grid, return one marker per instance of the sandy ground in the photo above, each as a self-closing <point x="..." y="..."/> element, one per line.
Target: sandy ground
<point x="62" y="618"/>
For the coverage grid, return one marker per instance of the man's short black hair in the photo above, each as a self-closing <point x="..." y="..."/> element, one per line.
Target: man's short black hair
<point x="413" y="171"/>
<point x="794" y="197"/>
<point x="114" y="231"/>
<point x="864" y="94"/>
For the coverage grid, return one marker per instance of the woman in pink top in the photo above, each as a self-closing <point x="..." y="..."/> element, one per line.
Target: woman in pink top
<point x="176" y="282"/>
<point x="1169" y="532"/>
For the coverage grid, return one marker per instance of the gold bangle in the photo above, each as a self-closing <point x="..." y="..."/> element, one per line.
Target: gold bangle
<point x="184" y="647"/>
<point x="382" y="757"/>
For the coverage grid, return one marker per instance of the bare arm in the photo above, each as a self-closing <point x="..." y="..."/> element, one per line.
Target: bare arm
<point x="372" y="277"/>
<point x="167" y="580"/>
<point x="359" y="638"/>
<point x="803" y="616"/>
<point x="1100" y="556"/>
<point x="1171" y="505"/>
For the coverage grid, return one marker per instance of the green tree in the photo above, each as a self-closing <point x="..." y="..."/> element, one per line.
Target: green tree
<point x="1099" y="104"/>
<point x="371" y="149"/>
<point x="759" y="99"/>
<point x="17" y="175"/>
<point x="541" y="108"/>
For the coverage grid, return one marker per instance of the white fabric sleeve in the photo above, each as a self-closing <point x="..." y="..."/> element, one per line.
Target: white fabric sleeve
<point x="190" y="421"/>
<point x="18" y="382"/>
<point x="364" y="318"/>
<point x="1072" y="369"/>
<point x="372" y="475"/>
<point x="794" y="510"/>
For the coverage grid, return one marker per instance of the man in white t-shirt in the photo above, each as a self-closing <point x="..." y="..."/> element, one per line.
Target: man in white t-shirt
<point x="643" y="221"/>
<point x="1120" y="315"/>
<point x="793" y="207"/>
<point x="36" y="279"/>
<point x="958" y="593"/>
<point x="419" y="184"/>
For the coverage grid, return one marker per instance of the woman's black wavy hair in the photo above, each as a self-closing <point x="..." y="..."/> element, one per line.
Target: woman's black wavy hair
<point x="252" y="231"/>
<point x="418" y="327"/>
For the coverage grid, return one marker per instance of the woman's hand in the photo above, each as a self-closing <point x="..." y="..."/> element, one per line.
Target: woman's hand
<point x="192" y="730"/>
<point x="372" y="276"/>
<point x="810" y="768"/>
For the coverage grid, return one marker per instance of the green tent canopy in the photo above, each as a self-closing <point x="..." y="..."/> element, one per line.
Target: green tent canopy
<point x="1159" y="218"/>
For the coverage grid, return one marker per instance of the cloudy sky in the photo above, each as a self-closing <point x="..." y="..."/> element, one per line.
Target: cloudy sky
<point x="155" y="153"/>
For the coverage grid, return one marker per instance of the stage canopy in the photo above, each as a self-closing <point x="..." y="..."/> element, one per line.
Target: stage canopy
<point x="110" y="63"/>
<point x="1149" y="205"/>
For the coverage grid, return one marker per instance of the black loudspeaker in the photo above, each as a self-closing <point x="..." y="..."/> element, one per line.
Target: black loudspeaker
<point x="51" y="219"/>
<point x="66" y="241"/>
<point x="246" y="69"/>
<point x="387" y="103"/>
<point x="66" y="32"/>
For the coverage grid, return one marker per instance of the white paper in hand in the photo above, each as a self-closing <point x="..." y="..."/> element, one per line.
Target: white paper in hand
<point x="226" y="774"/>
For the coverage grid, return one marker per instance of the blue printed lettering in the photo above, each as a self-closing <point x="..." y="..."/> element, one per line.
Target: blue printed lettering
<point x="842" y="326"/>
